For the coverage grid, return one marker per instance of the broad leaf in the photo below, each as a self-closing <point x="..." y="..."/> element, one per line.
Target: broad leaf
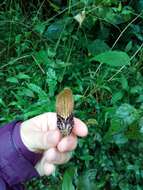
<point x="67" y="179"/>
<point x="113" y="58"/>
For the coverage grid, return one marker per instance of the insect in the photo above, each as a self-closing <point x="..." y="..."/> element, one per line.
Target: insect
<point x="64" y="109"/>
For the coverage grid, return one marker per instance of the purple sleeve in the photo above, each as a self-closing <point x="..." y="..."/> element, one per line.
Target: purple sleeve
<point x="16" y="161"/>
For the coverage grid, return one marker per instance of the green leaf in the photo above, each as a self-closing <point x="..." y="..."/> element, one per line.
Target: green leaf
<point x="86" y="181"/>
<point x="98" y="46"/>
<point x="87" y="157"/>
<point x="127" y="113"/>
<point x="42" y="57"/>
<point x="39" y="27"/>
<point x="113" y="58"/>
<point x="52" y="81"/>
<point x="34" y="88"/>
<point x="54" y="30"/>
<point x="12" y="80"/>
<point x="117" y="96"/>
<point x="124" y="82"/>
<point x="115" y="128"/>
<point x="67" y="179"/>
<point x="136" y="89"/>
<point x="23" y="76"/>
<point x="92" y="122"/>
<point x="26" y="92"/>
<point x="134" y="132"/>
<point x="120" y="139"/>
<point x="37" y="89"/>
<point x="129" y="46"/>
<point x="2" y="102"/>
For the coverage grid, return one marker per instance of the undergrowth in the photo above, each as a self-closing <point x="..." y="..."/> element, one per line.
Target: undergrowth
<point x="95" y="48"/>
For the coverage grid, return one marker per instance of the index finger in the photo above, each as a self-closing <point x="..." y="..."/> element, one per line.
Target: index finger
<point x="79" y="129"/>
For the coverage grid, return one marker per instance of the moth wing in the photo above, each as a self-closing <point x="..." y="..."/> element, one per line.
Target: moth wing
<point x="65" y="103"/>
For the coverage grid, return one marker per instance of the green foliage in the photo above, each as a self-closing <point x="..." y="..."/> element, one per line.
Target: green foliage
<point x="113" y="58"/>
<point x="44" y="49"/>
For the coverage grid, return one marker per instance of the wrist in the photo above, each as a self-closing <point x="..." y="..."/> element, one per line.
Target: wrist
<point x="27" y="137"/>
<point x="22" y="146"/>
<point x="24" y="135"/>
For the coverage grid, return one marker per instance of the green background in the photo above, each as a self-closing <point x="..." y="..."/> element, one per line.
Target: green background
<point x="43" y="49"/>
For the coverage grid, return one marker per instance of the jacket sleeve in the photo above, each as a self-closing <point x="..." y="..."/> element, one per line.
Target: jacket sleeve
<point x="2" y="184"/>
<point x="16" y="161"/>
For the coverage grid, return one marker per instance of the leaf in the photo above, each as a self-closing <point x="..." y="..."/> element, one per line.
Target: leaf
<point x="2" y="102"/>
<point x="26" y="92"/>
<point x="98" y="46"/>
<point x="67" y="179"/>
<point x="120" y="139"/>
<point x="140" y="5"/>
<point x="12" y="80"/>
<point x="115" y="128"/>
<point x="37" y="89"/>
<point x="124" y="82"/>
<point x="92" y="122"/>
<point x="134" y="132"/>
<point x="54" y="30"/>
<point x="22" y="76"/>
<point x="34" y="88"/>
<point x="136" y="89"/>
<point x="127" y="113"/>
<point x="113" y="58"/>
<point x="86" y="181"/>
<point x="129" y="46"/>
<point x="41" y="57"/>
<point x="51" y="81"/>
<point x="117" y="96"/>
<point x="87" y="157"/>
<point x="40" y="27"/>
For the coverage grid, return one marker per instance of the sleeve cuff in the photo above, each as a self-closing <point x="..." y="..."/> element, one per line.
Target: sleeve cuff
<point x="16" y="162"/>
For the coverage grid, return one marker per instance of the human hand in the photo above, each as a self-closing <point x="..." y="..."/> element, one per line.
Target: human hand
<point x="40" y="134"/>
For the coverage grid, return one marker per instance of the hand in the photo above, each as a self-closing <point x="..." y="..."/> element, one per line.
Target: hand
<point x="40" y="134"/>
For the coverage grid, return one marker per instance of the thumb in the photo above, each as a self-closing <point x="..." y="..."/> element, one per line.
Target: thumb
<point x="38" y="141"/>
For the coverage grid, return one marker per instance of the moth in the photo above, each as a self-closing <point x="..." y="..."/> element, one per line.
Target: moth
<point x="64" y="110"/>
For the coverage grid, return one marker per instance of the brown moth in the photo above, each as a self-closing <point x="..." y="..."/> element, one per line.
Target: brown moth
<point x="64" y="109"/>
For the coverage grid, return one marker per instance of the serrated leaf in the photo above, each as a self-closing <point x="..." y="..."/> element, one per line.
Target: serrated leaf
<point x="51" y="81"/>
<point x="113" y="58"/>
<point x="37" y="89"/>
